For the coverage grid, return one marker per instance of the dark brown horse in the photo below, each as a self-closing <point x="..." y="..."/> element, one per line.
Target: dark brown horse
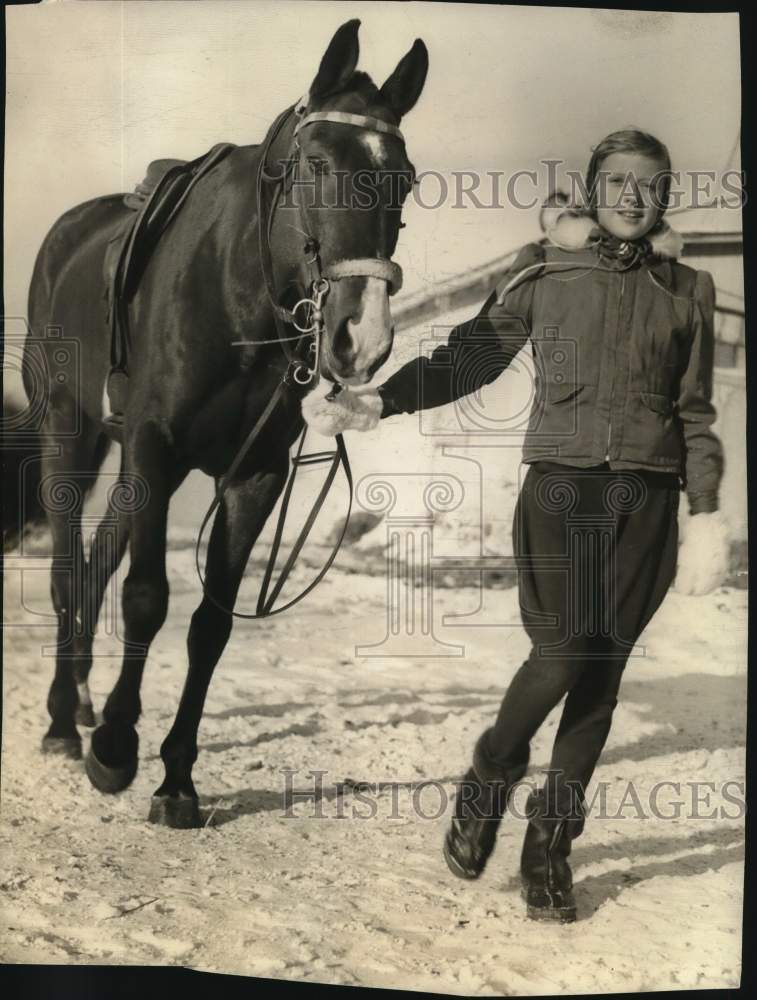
<point x="194" y="393"/>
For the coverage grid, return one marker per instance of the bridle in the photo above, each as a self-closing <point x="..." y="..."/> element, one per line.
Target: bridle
<point x="270" y="188"/>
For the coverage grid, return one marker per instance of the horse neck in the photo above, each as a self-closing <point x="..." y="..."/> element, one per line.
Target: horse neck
<point x="286" y="248"/>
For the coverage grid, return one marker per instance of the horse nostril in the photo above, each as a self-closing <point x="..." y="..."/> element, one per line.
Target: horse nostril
<point x="342" y="345"/>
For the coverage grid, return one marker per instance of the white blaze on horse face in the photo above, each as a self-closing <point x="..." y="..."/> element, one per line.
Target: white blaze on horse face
<point x="375" y="146"/>
<point x="371" y="333"/>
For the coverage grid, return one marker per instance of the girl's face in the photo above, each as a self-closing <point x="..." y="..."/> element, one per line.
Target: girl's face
<point x="625" y="203"/>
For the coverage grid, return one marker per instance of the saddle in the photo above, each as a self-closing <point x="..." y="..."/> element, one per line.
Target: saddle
<point x="155" y="202"/>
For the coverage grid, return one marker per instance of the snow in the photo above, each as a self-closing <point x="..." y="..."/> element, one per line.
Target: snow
<point x="351" y="887"/>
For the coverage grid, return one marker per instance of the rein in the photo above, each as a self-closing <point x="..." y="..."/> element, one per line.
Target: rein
<point x="298" y="371"/>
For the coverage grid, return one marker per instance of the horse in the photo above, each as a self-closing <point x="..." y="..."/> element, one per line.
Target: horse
<point x="207" y="330"/>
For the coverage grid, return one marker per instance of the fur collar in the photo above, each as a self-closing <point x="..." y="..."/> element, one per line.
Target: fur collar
<point x="574" y="231"/>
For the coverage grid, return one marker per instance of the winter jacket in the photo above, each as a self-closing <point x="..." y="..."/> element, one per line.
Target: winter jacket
<point x="622" y="339"/>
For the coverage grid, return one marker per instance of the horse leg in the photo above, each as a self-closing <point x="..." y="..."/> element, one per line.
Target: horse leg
<point x="106" y="552"/>
<point x="112" y="760"/>
<point x="69" y="470"/>
<point x="238" y="522"/>
<point x="65" y="576"/>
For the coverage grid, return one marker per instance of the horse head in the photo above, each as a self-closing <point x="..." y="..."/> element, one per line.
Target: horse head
<point x="352" y="176"/>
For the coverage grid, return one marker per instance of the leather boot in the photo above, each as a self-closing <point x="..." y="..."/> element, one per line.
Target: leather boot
<point x="480" y="804"/>
<point x="547" y="881"/>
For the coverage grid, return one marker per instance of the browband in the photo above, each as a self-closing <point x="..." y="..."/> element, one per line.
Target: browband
<point x="367" y="267"/>
<point x="345" y="118"/>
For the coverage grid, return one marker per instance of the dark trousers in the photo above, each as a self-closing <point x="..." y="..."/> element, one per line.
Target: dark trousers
<point x="596" y="552"/>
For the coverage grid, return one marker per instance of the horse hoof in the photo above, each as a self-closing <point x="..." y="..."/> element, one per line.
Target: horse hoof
<point x="112" y="760"/>
<point x="85" y="716"/>
<point x="62" y="746"/>
<point x="179" y="812"/>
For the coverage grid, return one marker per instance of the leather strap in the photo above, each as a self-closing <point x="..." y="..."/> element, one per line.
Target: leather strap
<point x="345" y="118"/>
<point x="266" y="210"/>
<point x="223" y="484"/>
<point x="338" y="457"/>
<point x="368" y="267"/>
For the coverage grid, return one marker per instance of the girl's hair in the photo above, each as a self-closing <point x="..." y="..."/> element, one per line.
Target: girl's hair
<point x="631" y="140"/>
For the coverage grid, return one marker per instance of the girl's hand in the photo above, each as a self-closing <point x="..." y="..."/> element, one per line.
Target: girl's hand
<point x="360" y="410"/>
<point x="703" y="555"/>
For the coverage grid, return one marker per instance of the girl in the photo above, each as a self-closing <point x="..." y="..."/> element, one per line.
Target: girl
<point x="622" y="337"/>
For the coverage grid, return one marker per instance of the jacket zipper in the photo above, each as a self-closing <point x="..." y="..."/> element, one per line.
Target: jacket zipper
<point x="612" y="382"/>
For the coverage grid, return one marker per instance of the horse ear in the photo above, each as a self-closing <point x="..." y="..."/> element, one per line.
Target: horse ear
<point x="403" y="88"/>
<point x="339" y="61"/>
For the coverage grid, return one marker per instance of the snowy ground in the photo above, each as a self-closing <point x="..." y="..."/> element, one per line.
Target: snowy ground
<point x="320" y="892"/>
<point x="351" y="888"/>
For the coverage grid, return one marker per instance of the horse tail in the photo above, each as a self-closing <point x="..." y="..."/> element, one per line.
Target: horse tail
<point x="22" y="469"/>
<point x="23" y="511"/>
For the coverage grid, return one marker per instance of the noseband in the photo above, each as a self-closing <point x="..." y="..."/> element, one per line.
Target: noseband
<point x="321" y="274"/>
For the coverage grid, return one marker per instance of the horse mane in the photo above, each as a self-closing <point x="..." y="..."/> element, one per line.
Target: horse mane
<point x="359" y="86"/>
<point x="362" y="85"/>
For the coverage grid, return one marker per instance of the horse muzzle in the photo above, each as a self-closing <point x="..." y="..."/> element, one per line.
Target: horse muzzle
<point x="358" y="332"/>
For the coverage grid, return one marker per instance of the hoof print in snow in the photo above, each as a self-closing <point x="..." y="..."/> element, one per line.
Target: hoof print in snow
<point x="62" y="746"/>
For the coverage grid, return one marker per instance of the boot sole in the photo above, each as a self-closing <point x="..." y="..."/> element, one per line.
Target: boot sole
<point x="556" y="914"/>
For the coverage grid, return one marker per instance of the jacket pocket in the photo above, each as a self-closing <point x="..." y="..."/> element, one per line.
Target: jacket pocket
<point x="562" y="418"/>
<point x="658" y="402"/>
<point x="561" y="392"/>
<point x="651" y="434"/>
<point x="555" y="408"/>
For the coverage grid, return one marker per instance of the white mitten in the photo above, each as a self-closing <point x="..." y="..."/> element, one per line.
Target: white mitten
<point x="359" y="411"/>
<point x="703" y="555"/>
